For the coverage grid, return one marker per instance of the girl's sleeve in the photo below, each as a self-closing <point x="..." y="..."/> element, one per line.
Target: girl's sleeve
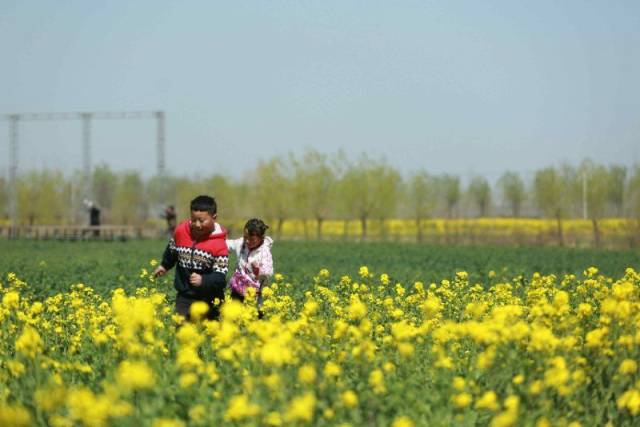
<point x="234" y="244"/>
<point x="266" y="264"/>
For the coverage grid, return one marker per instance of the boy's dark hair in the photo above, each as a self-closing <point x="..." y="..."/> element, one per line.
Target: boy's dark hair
<point x="204" y="204"/>
<point x="256" y="227"/>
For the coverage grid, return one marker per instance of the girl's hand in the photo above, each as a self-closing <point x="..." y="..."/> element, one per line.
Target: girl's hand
<point x="195" y="279"/>
<point x="255" y="268"/>
<point x="159" y="271"/>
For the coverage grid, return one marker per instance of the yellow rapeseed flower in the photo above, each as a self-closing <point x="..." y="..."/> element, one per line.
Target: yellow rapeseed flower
<point x="349" y="398"/>
<point x="332" y="369"/>
<point x="198" y="310"/>
<point x="135" y="375"/>
<point x="462" y="400"/>
<point x="489" y="400"/>
<point x="11" y="300"/>
<point x="376" y="381"/>
<point x="357" y="309"/>
<point x="307" y="374"/>
<point x="29" y="343"/>
<point x="630" y="400"/>
<point x="301" y="408"/>
<point x="15" y="416"/>
<point x="240" y="407"/>
<point x="187" y="379"/>
<point x="628" y="366"/>
<point x="402" y="421"/>
<point x="167" y="422"/>
<point x="364" y="272"/>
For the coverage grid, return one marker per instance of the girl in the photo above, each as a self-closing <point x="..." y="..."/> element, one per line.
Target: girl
<point x="254" y="265"/>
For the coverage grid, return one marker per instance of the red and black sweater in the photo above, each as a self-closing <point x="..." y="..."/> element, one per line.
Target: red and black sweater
<point x="208" y="257"/>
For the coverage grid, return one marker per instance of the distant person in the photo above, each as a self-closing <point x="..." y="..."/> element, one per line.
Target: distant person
<point x="94" y="216"/>
<point x="200" y="254"/>
<point x="170" y="216"/>
<point x="254" y="264"/>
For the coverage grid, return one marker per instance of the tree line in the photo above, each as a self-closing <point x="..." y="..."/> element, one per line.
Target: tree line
<point x="316" y="186"/>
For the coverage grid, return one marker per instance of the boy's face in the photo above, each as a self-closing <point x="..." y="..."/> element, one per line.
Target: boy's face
<point x="202" y="223"/>
<point x="252" y="240"/>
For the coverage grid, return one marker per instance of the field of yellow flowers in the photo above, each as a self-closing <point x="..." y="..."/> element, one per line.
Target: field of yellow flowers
<point x="332" y="349"/>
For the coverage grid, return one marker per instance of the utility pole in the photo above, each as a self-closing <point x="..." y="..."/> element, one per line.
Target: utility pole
<point x="160" y="142"/>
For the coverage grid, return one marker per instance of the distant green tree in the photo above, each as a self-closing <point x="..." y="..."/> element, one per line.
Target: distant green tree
<point x="513" y="191"/>
<point x="617" y="185"/>
<point x="186" y="190"/>
<point x="370" y="189"/>
<point x="41" y="197"/>
<point x="480" y="192"/>
<point x="633" y="197"/>
<point x="550" y="192"/>
<point x="421" y="198"/>
<point x="4" y="199"/>
<point x="227" y="196"/>
<point x="633" y="192"/>
<point x="161" y="192"/>
<point x="105" y="184"/>
<point x="315" y="186"/>
<point x="271" y="188"/>
<point x="598" y="185"/>
<point x="130" y="204"/>
<point x="449" y="190"/>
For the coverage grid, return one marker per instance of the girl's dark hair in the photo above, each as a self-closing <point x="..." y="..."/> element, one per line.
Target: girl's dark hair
<point x="256" y="227"/>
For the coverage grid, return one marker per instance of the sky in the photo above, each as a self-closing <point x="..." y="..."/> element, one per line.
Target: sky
<point x="464" y="87"/>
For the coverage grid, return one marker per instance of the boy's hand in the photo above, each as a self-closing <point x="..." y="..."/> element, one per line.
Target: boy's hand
<point x="195" y="279"/>
<point x="159" y="271"/>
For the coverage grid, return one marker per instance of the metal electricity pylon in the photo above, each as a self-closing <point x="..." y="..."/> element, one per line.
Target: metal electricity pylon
<point x="86" y="117"/>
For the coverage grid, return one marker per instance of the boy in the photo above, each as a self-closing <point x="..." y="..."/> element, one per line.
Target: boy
<point x="199" y="250"/>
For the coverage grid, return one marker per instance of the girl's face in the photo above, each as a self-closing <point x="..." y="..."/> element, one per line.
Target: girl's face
<point x="252" y="240"/>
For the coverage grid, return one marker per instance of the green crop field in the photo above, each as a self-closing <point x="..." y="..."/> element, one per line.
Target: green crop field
<point x="382" y="334"/>
<point x="50" y="267"/>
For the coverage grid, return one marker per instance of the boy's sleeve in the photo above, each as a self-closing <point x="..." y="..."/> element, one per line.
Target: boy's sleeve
<point x="170" y="256"/>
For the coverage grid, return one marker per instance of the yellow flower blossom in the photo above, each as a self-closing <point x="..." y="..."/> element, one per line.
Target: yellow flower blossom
<point x="628" y="366"/>
<point x="403" y="421"/>
<point x="301" y="408"/>
<point x="133" y="375"/>
<point x="349" y="399"/>
<point x="462" y="400"/>
<point x="307" y="374"/>
<point x="240" y="408"/>
<point x="489" y="400"/>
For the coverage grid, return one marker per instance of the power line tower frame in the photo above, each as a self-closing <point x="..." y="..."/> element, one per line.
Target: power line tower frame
<point x="86" y="118"/>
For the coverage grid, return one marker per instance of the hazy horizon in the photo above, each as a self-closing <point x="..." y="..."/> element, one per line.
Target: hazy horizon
<point x="460" y="87"/>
